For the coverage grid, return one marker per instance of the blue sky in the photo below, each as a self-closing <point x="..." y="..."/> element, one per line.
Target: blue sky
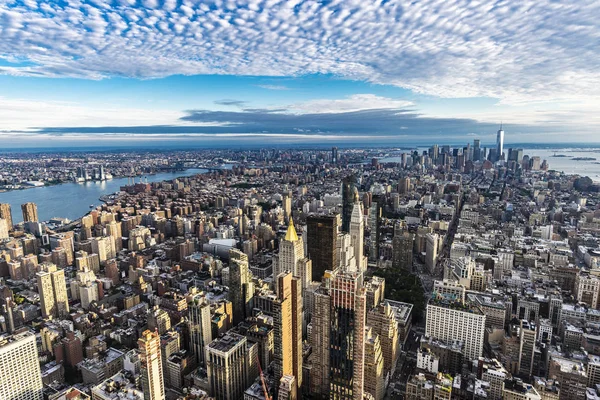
<point x="131" y="71"/>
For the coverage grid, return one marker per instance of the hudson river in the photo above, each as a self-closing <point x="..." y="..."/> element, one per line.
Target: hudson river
<point x="73" y="200"/>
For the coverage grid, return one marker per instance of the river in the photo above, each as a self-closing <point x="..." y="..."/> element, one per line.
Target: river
<point x="73" y="200"/>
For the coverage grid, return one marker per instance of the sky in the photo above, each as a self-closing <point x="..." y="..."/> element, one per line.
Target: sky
<point x="389" y="72"/>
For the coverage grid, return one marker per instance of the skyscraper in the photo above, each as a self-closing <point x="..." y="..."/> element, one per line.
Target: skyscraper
<point x="357" y="233"/>
<point x="291" y="252"/>
<point x="334" y="155"/>
<point x="402" y="251"/>
<point x="52" y="288"/>
<point x="21" y="378"/>
<point x="476" y="150"/>
<point x="241" y="286"/>
<point x="500" y="144"/>
<point x="151" y="366"/>
<point x="231" y="365"/>
<point x="6" y="213"/>
<point x="338" y="337"/>
<point x="29" y="212"/>
<point x="431" y="250"/>
<point x="199" y="325"/>
<point x="322" y="242"/>
<point x="349" y="197"/>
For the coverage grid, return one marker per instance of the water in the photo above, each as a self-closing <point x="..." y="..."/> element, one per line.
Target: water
<point x="73" y="200"/>
<point x="563" y="164"/>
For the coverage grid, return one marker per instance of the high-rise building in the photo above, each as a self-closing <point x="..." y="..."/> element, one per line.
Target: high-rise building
<point x="449" y="320"/>
<point x="291" y="254"/>
<point x="52" y="288"/>
<point x="476" y="150"/>
<point x="374" y="365"/>
<point x="338" y="337"/>
<point x="431" y="251"/>
<point x="383" y="320"/>
<point x="6" y="213"/>
<point x="29" y="212"/>
<point x="402" y="251"/>
<point x="241" y="286"/>
<point x="322" y="242"/>
<point x="349" y="197"/>
<point x="231" y="365"/>
<point x="199" y="326"/>
<point x="374" y="222"/>
<point x="20" y="375"/>
<point x="334" y="155"/>
<point x="500" y="144"/>
<point x="151" y="366"/>
<point x="526" y="348"/>
<point x="357" y="233"/>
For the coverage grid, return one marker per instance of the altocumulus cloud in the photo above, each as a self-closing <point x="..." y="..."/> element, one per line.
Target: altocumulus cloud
<point x="513" y="50"/>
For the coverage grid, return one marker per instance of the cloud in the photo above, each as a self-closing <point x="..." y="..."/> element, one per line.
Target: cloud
<point x="230" y="102"/>
<point x="274" y="87"/>
<point x="515" y="51"/>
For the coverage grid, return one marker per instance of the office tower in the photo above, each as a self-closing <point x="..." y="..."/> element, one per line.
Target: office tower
<point x="431" y="251"/>
<point x="434" y="153"/>
<point x="374" y="221"/>
<point x="282" y="326"/>
<point x="476" y="150"/>
<point x="450" y="320"/>
<point x="334" y="155"/>
<point x="199" y="326"/>
<point x="52" y="288"/>
<point x="231" y="365"/>
<point x="357" y="233"/>
<point x="20" y="375"/>
<point x="374" y="369"/>
<point x="500" y="144"/>
<point x="6" y="213"/>
<point x="291" y="252"/>
<point x="29" y="212"/>
<point x="151" y="366"/>
<point x="322" y="242"/>
<point x="286" y="204"/>
<point x="241" y="286"/>
<point x="526" y="349"/>
<point x="349" y="197"/>
<point x="404" y="186"/>
<point x="402" y="251"/>
<point x="382" y="319"/>
<point x="338" y="337"/>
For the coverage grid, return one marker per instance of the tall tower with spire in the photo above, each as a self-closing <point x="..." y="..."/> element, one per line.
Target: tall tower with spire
<point x="291" y="257"/>
<point x="500" y="143"/>
<point x="357" y="234"/>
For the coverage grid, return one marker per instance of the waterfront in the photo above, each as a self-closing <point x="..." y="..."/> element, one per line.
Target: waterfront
<point x="73" y="200"/>
<point x="566" y="164"/>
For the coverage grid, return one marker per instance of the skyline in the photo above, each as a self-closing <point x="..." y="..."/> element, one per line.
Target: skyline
<point x="123" y="72"/>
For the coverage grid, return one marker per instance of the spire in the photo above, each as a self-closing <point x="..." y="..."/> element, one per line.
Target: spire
<point x="500" y="125"/>
<point x="290" y="234"/>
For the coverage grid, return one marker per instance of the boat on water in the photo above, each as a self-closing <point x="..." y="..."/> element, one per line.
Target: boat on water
<point x="91" y="206"/>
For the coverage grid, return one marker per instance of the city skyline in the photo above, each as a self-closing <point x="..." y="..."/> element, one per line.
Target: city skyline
<point x="127" y="72"/>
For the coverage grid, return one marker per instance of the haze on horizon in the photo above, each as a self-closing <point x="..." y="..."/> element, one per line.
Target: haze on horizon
<point x="150" y="72"/>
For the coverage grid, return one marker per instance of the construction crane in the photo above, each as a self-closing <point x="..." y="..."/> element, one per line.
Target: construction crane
<point x="262" y="380"/>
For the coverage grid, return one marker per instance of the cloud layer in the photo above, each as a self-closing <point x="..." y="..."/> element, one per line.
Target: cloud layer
<point x="518" y="51"/>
